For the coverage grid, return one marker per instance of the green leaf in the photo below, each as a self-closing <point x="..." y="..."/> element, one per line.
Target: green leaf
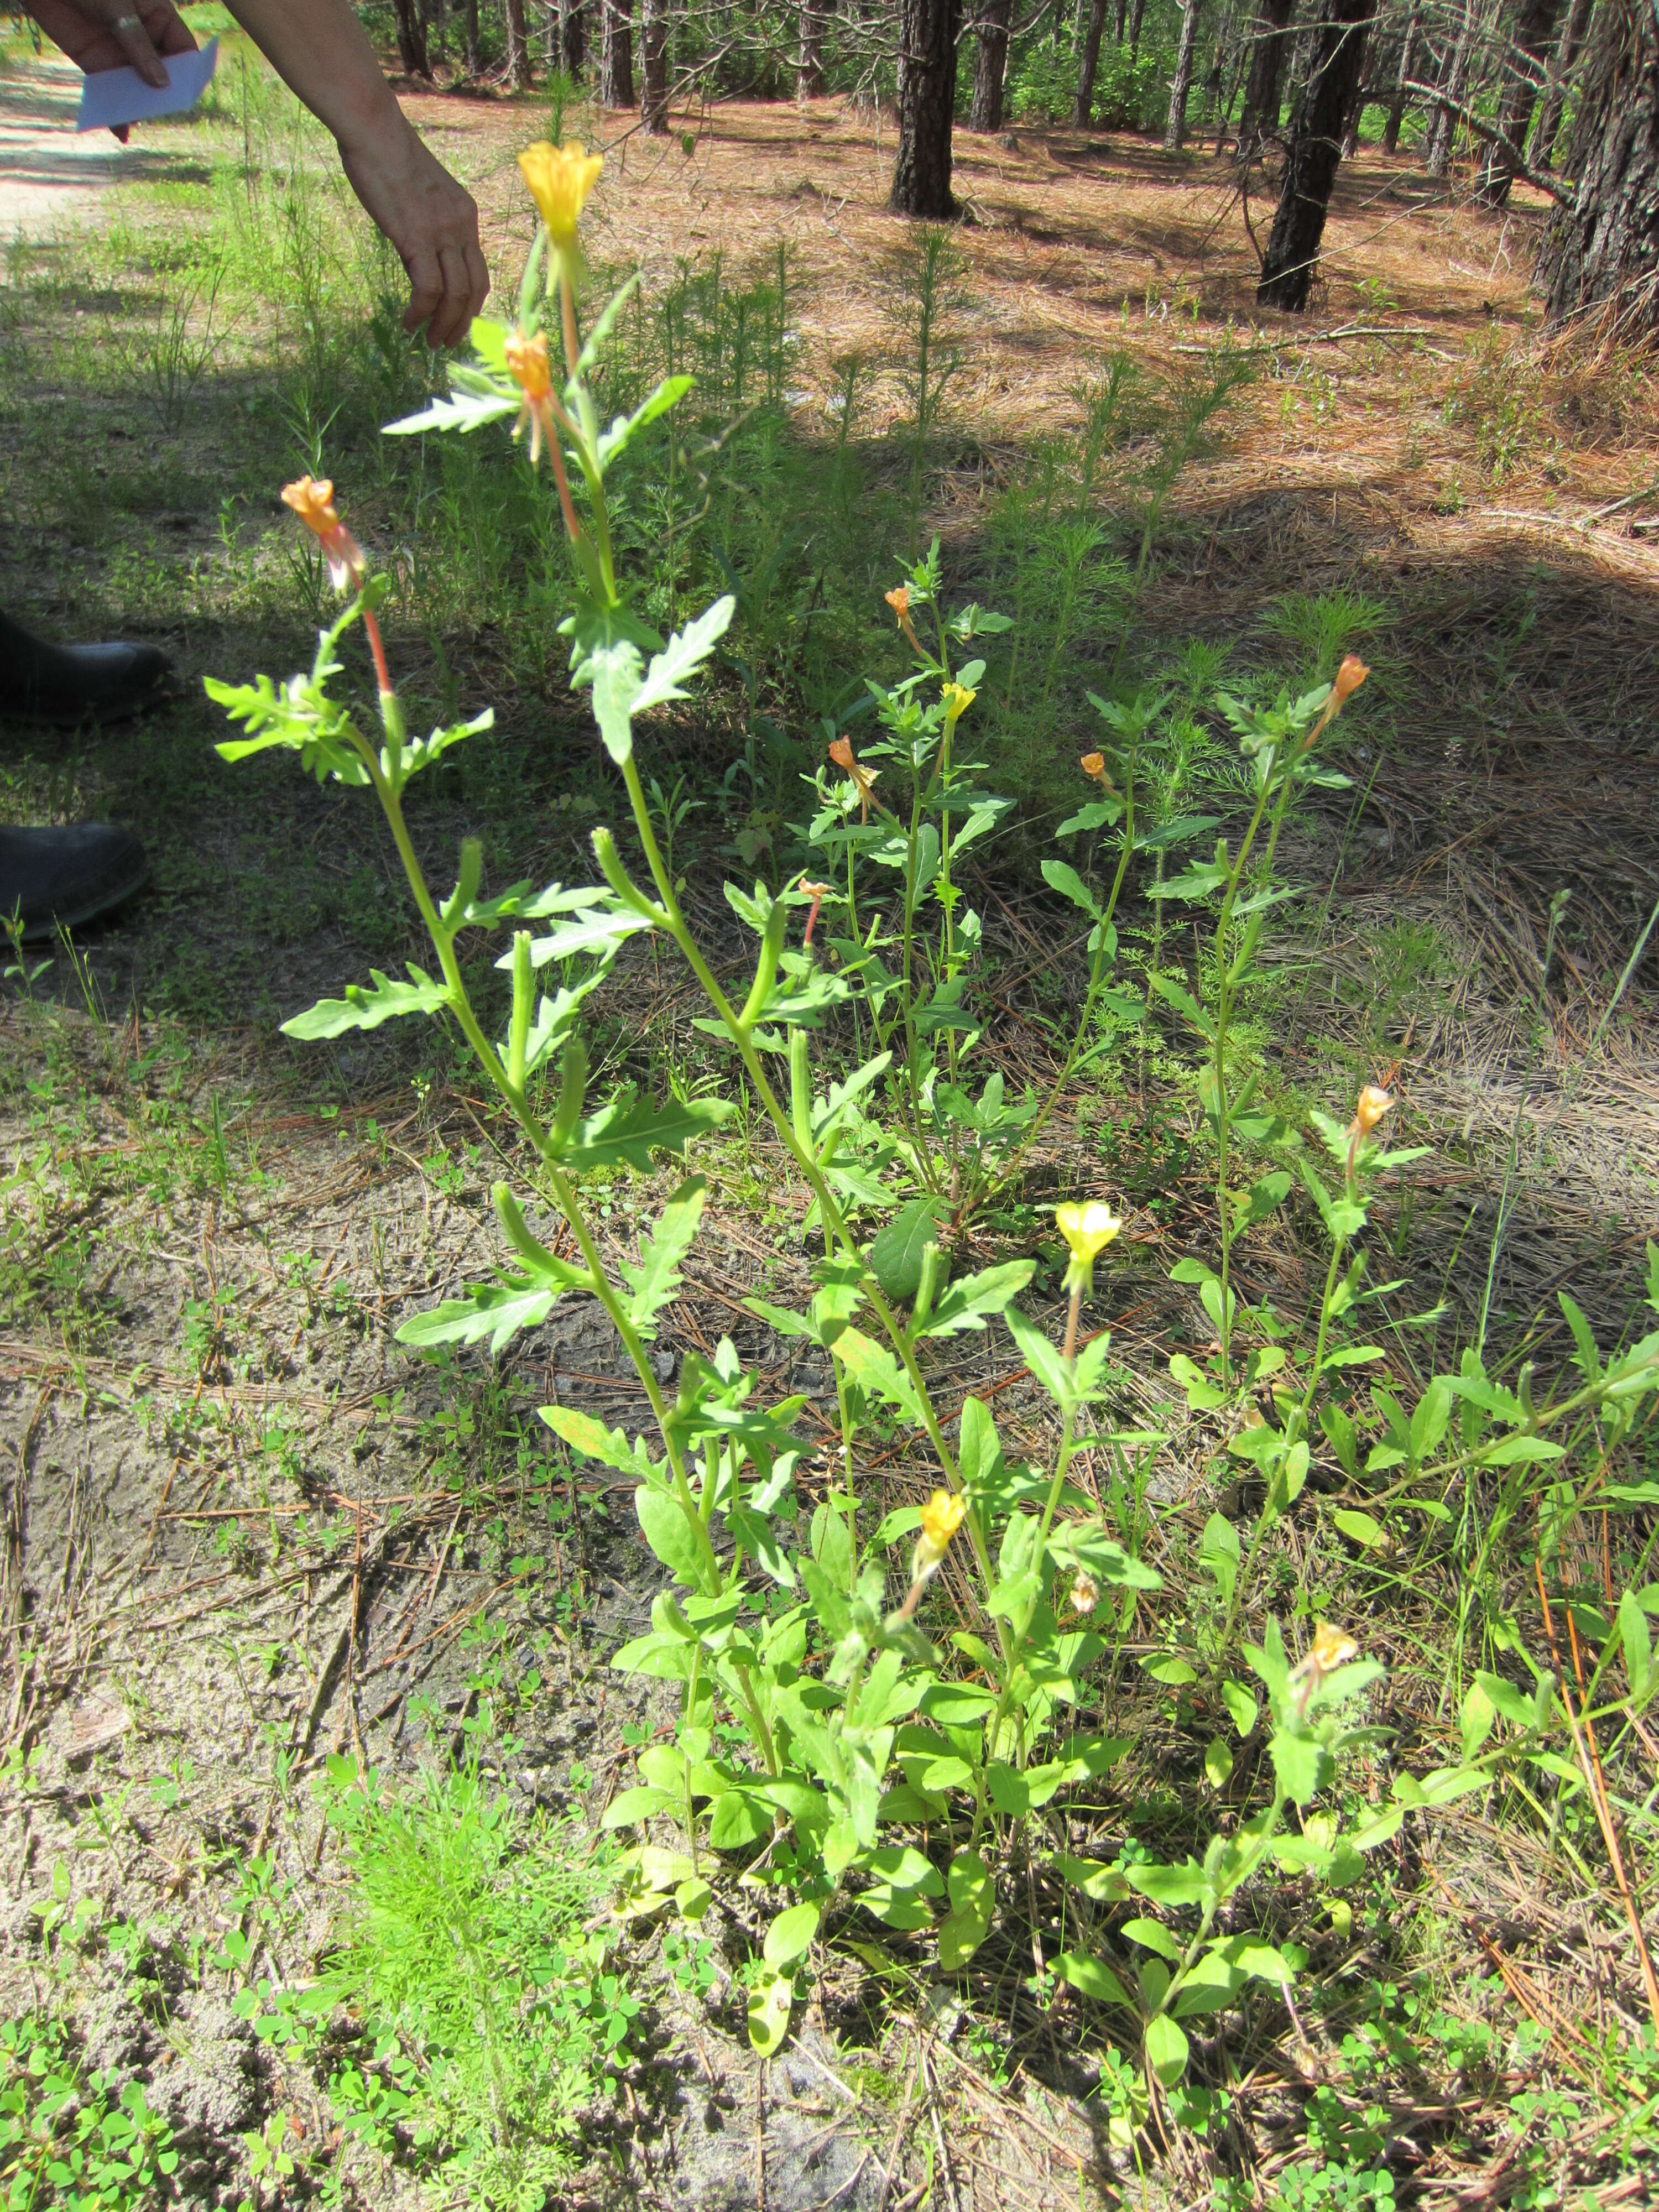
<point x="616" y="440"/>
<point x="655" y="1280"/>
<point x="1169" y="1885"/>
<point x="1164" y="1667"/>
<point x="896" y="1254"/>
<point x="1181" y="999"/>
<point x="1638" y="1649"/>
<point x="476" y="398"/>
<point x="1093" y="1976"/>
<point x="496" y="1310"/>
<point x="1302" y="1763"/>
<point x="769" y="2000"/>
<point x="1360" y="1528"/>
<point x="968" y="1921"/>
<point x="1094" y="1877"/>
<point x="669" y="1533"/>
<point x="595" y="1441"/>
<point x="683" y="655"/>
<point x="1061" y="878"/>
<point x="790" y="1935"/>
<point x="875" y="1371"/>
<point x="627" y="1132"/>
<point x="1510" y="1451"/>
<point x="614" y="671"/>
<point x="384" y="998"/>
<point x="1241" y="1706"/>
<point x="1166" y="2050"/>
<point x="1151" y="1935"/>
<point x="966" y="1303"/>
<point x="1475" y="1719"/>
<point x="1213" y="1982"/>
<point x="1218" y="1764"/>
<point x="1042" y="1359"/>
<point x="629" y="1806"/>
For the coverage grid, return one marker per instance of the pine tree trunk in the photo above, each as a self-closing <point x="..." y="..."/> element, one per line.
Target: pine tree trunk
<point x="1137" y="10"/>
<point x="616" y="56"/>
<point x="572" y="36"/>
<point x="1407" y="70"/>
<point x="1241" y="57"/>
<point x="1603" y="251"/>
<point x="470" y="37"/>
<point x="653" y="65"/>
<point x="1118" y="22"/>
<point x="1442" y="127"/>
<point x="809" y="53"/>
<point x="991" y="66"/>
<point x="1217" y="57"/>
<point x="1088" y="64"/>
<point x="1356" y="109"/>
<point x="1175" y="130"/>
<point x="1270" y="34"/>
<point x="518" y="47"/>
<point x="1555" y="91"/>
<point x="1334" y="66"/>
<point x="927" y="98"/>
<point x="411" y="39"/>
<point x="1534" y="36"/>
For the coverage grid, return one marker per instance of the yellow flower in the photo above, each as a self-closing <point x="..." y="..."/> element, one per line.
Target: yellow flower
<point x="1094" y="764"/>
<point x="1088" y="1230"/>
<point x="941" y="1517"/>
<point x="957" y="700"/>
<point x="1085" y="1594"/>
<point x="560" y="178"/>
<point x="1331" y="1648"/>
<point x="312" y="499"/>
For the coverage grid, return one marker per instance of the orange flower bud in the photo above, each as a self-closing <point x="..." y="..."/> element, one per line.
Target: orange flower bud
<point x="526" y="361"/>
<point x="1349" y="678"/>
<point x="1373" y="1104"/>
<point x="312" y="499"/>
<point x="840" y="752"/>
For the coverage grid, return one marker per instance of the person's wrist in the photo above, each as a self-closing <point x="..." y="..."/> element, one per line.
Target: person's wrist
<point x="370" y="123"/>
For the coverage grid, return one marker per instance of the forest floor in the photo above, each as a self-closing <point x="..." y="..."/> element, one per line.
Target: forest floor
<point x="245" y="1530"/>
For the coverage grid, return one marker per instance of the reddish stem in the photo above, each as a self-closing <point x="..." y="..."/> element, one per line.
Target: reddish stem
<point x="383" y="675"/>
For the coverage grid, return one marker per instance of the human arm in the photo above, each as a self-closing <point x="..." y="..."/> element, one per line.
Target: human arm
<point x="319" y="50"/>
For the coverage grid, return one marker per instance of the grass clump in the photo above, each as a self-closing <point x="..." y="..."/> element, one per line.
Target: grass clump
<point x="482" y="2025"/>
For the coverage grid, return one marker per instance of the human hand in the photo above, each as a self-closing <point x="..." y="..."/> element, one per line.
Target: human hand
<point x="430" y="220"/>
<point x="106" y="34"/>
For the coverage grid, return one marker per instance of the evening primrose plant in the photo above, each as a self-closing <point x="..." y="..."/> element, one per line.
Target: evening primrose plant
<point x="827" y="1746"/>
<point x="909" y="948"/>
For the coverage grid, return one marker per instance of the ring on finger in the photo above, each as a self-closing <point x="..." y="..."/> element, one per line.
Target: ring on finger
<point x="128" y="23"/>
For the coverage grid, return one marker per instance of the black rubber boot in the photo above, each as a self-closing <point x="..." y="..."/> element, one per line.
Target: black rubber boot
<point x="71" y="684"/>
<point x="64" y="878"/>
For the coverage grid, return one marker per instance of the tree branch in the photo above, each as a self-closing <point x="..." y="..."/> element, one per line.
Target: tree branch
<point x="1562" y="194"/>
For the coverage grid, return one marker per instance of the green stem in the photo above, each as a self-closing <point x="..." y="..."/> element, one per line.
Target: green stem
<point x="1097" y="985"/>
<point x="443" y="942"/>
<point x="835" y="1225"/>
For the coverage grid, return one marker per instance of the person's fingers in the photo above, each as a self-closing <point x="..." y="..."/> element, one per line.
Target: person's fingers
<point x="449" y="324"/>
<point x="425" y="286"/>
<point x="477" y="271"/>
<point x="168" y="32"/>
<point x="135" y="43"/>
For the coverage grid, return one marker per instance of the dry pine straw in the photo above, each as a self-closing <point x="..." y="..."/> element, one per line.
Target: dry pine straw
<point x="1520" y="670"/>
